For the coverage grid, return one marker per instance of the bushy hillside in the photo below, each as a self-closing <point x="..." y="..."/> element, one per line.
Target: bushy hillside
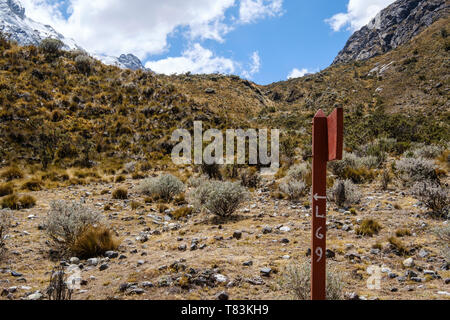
<point x="65" y="109"/>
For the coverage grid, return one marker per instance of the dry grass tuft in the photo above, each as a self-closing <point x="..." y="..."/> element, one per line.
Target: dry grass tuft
<point x="94" y="242"/>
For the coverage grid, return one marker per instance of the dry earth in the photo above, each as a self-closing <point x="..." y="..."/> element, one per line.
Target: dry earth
<point x="157" y="269"/>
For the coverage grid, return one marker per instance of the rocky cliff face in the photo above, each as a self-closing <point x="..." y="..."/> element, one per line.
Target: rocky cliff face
<point x="392" y="27"/>
<point x="18" y="27"/>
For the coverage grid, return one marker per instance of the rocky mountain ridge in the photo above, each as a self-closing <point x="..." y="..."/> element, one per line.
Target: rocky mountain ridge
<point x="392" y="27"/>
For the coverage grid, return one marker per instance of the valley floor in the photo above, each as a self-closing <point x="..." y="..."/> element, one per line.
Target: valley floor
<point x="158" y="269"/>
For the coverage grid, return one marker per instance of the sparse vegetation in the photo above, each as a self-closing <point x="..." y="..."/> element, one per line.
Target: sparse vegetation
<point x="294" y="189"/>
<point x="6" y="189"/>
<point x="12" y="173"/>
<point x="15" y="202"/>
<point x="297" y="280"/>
<point x="164" y="187"/>
<point x="398" y="246"/>
<point x="67" y="221"/>
<point x="5" y="223"/>
<point x="368" y="227"/>
<point x="94" y="241"/>
<point x="344" y="193"/>
<point x="182" y="212"/>
<point x="120" y="194"/>
<point x="220" y="198"/>
<point x="434" y="197"/>
<point x="411" y="170"/>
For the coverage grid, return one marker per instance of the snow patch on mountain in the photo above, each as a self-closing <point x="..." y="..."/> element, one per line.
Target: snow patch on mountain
<point x="18" y="27"/>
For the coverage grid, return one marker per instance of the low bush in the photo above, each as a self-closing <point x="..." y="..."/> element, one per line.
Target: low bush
<point x="428" y="152"/>
<point x="5" y="224"/>
<point x="182" y="212"/>
<point x="368" y="227"/>
<point x="297" y="280"/>
<point x="411" y="170"/>
<point x="294" y="189"/>
<point x="12" y="173"/>
<point x="32" y="185"/>
<point x="14" y="202"/>
<point x="402" y="233"/>
<point x="120" y="194"/>
<point x="94" y="242"/>
<point x="6" y="189"/>
<point x="211" y="170"/>
<point x="434" y="197"/>
<point x="220" y="198"/>
<point x="250" y="178"/>
<point x="398" y="246"/>
<point x="344" y="193"/>
<point x="164" y="187"/>
<point x="120" y="179"/>
<point x="27" y="202"/>
<point x="51" y="46"/>
<point x="84" y="64"/>
<point x="444" y="234"/>
<point x="66" y="221"/>
<point x="357" y="169"/>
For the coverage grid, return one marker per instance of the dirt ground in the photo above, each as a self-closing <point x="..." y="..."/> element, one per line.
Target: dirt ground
<point x="158" y="269"/>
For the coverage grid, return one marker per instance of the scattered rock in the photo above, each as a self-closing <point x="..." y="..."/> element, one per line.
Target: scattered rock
<point x="265" y="272"/>
<point x="223" y="296"/>
<point x="409" y="263"/>
<point x="103" y="267"/>
<point x="237" y="235"/>
<point x="111" y="254"/>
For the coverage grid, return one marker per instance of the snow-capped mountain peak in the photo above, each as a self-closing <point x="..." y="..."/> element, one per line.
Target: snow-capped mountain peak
<point x="18" y="27"/>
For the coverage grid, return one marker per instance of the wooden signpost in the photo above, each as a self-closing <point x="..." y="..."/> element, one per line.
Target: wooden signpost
<point x="328" y="140"/>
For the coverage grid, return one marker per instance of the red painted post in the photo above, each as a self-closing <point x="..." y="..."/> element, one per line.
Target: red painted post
<point x="319" y="170"/>
<point x="328" y="134"/>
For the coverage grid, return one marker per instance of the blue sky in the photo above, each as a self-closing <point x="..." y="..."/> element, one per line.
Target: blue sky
<point x="262" y="40"/>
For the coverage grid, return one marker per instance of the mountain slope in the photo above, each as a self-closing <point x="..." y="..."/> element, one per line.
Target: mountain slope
<point x="20" y="28"/>
<point x="392" y="27"/>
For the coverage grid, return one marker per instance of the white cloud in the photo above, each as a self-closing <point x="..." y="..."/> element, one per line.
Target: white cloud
<point x="137" y="26"/>
<point x="255" y="66"/>
<point x="252" y="10"/>
<point x="359" y="13"/>
<point x="196" y="60"/>
<point x="296" y="73"/>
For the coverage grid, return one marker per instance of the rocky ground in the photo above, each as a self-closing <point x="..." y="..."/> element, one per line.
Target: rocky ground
<point x="245" y="258"/>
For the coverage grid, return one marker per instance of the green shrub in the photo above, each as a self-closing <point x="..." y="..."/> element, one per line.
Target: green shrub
<point x="220" y="198"/>
<point x="83" y="64"/>
<point x="297" y="280"/>
<point x="443" y="234"/>
<point x="428" y="152"/>
<point x="344" y="193"/>
<point x="434" y="197"/>
<point x="51" y="46"/>
<point x="294" y="189"/>
<point x="164" y="187"/>
<point x="5" y="224"/>
<point x="250" y="178"/>
<point x="411" y="170"/>
<point x="66" y="222"/>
